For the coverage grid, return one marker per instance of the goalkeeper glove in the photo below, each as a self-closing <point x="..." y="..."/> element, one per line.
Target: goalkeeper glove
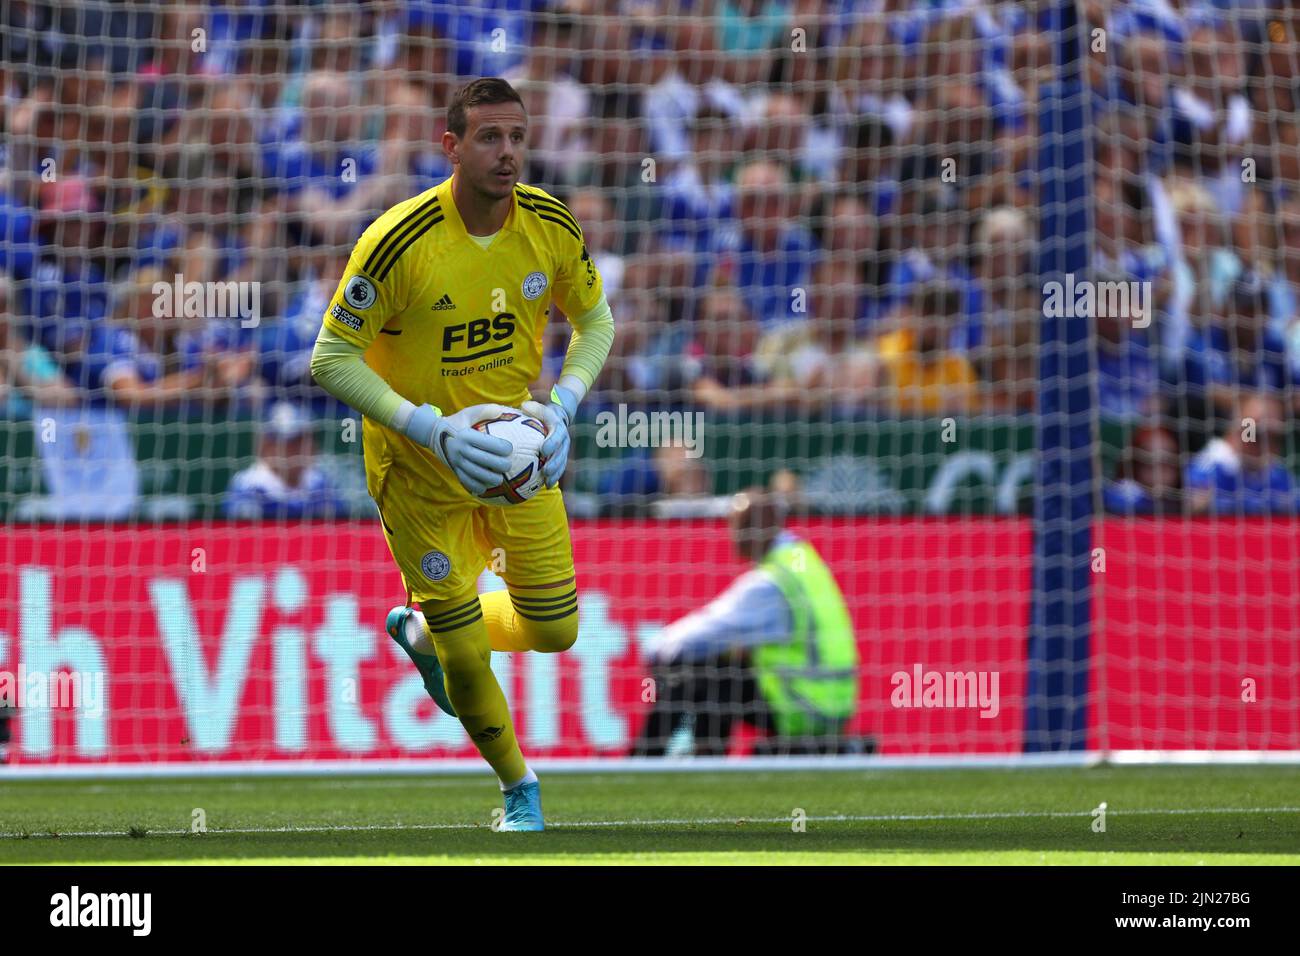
<point x="479" y="460"/>
<point x="556" y="417"/>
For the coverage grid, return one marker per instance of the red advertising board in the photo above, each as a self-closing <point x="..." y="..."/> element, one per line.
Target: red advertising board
<point x="246" y="642"/>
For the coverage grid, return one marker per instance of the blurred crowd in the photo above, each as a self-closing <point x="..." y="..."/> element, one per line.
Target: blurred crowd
<point x="799" y="207"/>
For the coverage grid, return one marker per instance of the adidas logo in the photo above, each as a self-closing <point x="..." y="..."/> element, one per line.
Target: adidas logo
<point x="443" y="303"/>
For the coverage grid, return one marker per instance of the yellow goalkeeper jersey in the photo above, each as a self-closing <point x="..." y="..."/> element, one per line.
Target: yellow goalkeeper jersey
<point x="444" y="320"/>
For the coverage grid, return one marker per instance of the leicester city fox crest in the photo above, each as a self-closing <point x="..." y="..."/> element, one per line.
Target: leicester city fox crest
<point x="435" y="565"/>
<point x="534" y="285"/>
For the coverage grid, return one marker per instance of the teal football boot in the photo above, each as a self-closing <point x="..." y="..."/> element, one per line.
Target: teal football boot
<point x="523" y="809"/>
<point x="427" y="664"/>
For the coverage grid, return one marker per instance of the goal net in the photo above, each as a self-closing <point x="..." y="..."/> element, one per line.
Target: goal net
<point x="987" y="311"/>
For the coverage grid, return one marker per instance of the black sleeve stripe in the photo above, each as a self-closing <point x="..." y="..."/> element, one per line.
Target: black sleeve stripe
<point x="380" y="250"/>
<point x="555" y="206"/>
<point x="567" y="228"/>
<point x="571" y="230"/>
<point x="398" y="254"/>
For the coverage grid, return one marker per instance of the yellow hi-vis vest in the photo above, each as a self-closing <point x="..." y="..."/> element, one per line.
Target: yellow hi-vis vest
<point x="810" y="682"/>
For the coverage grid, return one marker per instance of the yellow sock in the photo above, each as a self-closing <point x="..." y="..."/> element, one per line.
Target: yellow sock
<point x="461" y="639"/>
<point x="535" y="619"/>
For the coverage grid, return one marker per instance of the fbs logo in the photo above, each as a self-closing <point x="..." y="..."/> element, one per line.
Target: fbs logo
<point x="477" y="333"/>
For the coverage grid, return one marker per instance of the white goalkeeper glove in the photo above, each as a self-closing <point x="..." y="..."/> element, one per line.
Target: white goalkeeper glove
<point x="479" y="460"/>
<point x="556" y="417"/>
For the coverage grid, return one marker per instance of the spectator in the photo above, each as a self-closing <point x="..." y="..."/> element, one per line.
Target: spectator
<point x="284" y="343"/>
<point x="600" y="232"/>
<point x="337" y="37"/>
<point x="1141" y="89"/>
<point x="821" y="360"/>
<point x="691" y="85"/>
<point x="1202" y="267"/>
<point x="922" y="375"/>
<point x="486" y="39"/>
<point x="724" y="338"/>
<point x="1288" y="240"/>
<point x="783" y="133"/>
<point x="174" y="79"/>
<point x="285" y="482"/>
<point x="30" y="141"/>
<point x="1211" y="114"/>
<point x="698" y="195"/>
<point x="1147" y="478"/>
<point x="558" y="123"/>
<point x="1128" y="377"/>
<point x="323" y="166"/>
<point x="29" y="377"/>
<point x="937" y="252"/>
<point x="769" y="254"/>
<point x="1259" y="252"/>
<point x="1003" y="256"/>
<point x="1241" y="472"/>
<point x="1009" y="376"/>
<point x="148" y="359"/>
<point x="872" y="87"/>
<point x="869" y="165"/>
<point x="60" y="282"/>
<point x="749" y="31"/>
<point x="421" y="54"/>
<point x="616" y="166"/>
<point x="1120" y="245"/>
<point x="1226" y="360"/>
<point x="818" y="137"/>
<point x="411" y="156"/>
<point x="722" y="665"/>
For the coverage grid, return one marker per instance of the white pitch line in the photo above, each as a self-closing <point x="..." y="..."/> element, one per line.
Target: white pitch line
<point x="703" y="821"/>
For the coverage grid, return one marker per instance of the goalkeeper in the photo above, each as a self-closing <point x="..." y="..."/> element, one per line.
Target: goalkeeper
<point x="437" y="324"/>
<point x="775" y="650"/>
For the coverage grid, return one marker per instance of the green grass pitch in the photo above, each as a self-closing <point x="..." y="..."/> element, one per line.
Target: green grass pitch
<point x="1154" y="815"/>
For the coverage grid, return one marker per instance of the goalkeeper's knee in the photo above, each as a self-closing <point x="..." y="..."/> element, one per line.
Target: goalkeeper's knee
<point x="547" y="619"/>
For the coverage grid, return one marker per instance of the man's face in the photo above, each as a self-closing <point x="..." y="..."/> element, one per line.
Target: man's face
<point x="493" y="150"/>
<point x="753" y="528"/>
<point x="1269" y="437"/>
<point x="288" y="457"/>
<point x="1156" y="463"/>
<point x="762" y="210"/>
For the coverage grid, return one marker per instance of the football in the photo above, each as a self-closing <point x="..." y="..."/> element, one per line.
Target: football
<point x="524" y="478"/>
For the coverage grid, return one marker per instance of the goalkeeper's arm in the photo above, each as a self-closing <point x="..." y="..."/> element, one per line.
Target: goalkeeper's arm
<point x="477" y="459"/>
<point x="593" y="337"/>
<point x="340" y="368"/>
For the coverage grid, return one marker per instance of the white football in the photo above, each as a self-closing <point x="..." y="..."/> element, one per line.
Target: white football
<point x="524" y="479"/>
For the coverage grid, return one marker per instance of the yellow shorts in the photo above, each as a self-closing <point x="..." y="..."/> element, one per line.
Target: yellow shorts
<point x="442" y="538"/>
